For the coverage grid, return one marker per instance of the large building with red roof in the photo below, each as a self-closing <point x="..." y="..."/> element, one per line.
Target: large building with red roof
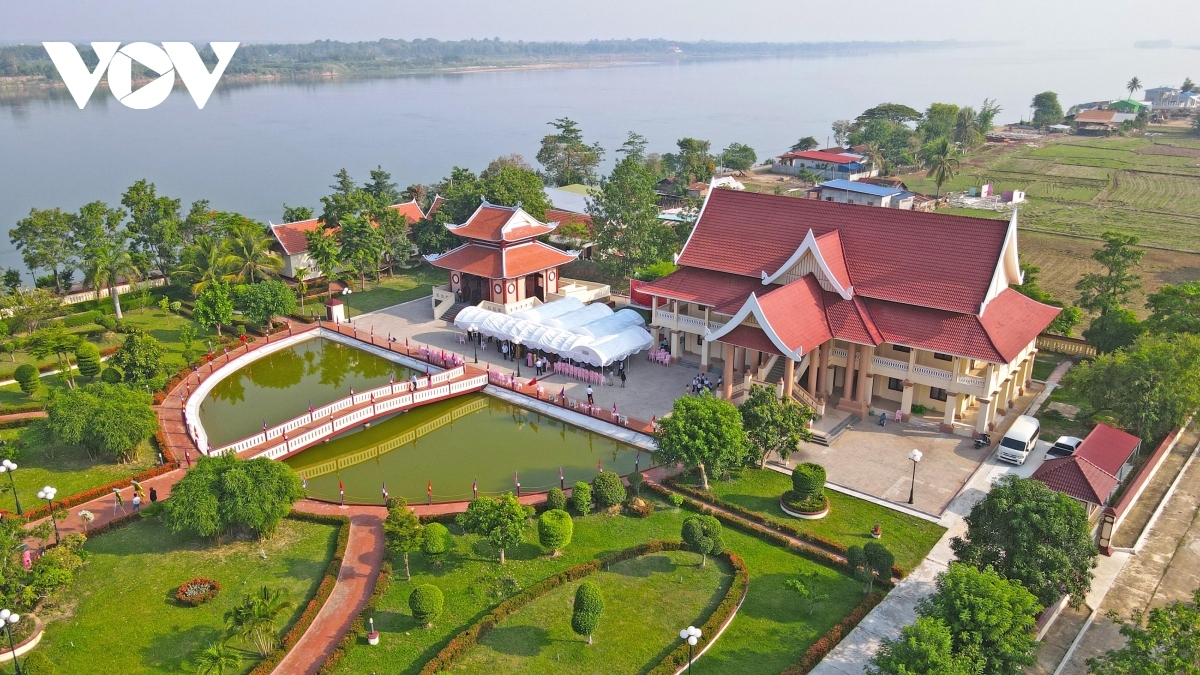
<point x="292" y="238"/>
<point x="862" y="306"/>
<point x="501" y="266"/>
<point x="829" y="164"/>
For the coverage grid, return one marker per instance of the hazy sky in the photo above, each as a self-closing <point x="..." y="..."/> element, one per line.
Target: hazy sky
<point x="1071" y="22"/>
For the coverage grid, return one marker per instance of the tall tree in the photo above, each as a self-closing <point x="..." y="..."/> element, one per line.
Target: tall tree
<point x="694" y="161"/>
<point x="362" y="246"/>
<point x="294" y="214"/>
<point x="155" y="225"/>
<point x="214" y="306"/>
<point x="1174" y="309"/>
<point x="841" y="131"/>
<point x="402" y="531"/>
<point x="1033" y="535"/>
<point x="773" y="425"/>
<point x="1133" y="85"/>
<point x="567" y="159"/>
<point x="205" y="261"/>
<point x="227" y="494"/>
<point x="1102" y="293"/>
<point x="324" y="251"/>
<point x="941" y="162"/>
<point x="502" y="520"/>
<point x="938" y="121"/>
<point x="393" y="228"/>
<point x="806" y="143"/>
<point x="108" y="263"/>
<point x="966" y="128"/>
<point x="891" y="112"/>
<point x="985" y="119"/>
<point x="1165" y="642"/>
<point x="629" y="233"/>
<point x="262" y="302"/>
<point x="93" y="226"/>
<point x="702" y="432"/>
<point x="44" y="240"/>
<point x="1046" y="109"/>
<point x="924" y="648"/>
<point x="738" y="157"/>
<point x="381" y="187"/>
<point x="251" y="256"/>
<point x="1187" y="86"/>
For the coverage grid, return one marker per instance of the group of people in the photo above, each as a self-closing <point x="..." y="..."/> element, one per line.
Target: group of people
<point x="701" y="383"/>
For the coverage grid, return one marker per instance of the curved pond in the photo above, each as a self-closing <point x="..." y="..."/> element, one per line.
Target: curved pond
<point x="451" y="444"/>
<point x="280" y="386"/>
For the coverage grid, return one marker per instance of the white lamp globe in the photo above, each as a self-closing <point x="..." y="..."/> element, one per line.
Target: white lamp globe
<point x="683" y="634"/>
<point x="4" y="614"/>
<point x="13" y="618"/>
<point x="692" y="641"/>
<point x="3" y="469"/>
<point x="695" y="632"/>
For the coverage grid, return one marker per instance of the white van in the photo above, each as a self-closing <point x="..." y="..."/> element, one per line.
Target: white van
<point x="1020" y="440"/>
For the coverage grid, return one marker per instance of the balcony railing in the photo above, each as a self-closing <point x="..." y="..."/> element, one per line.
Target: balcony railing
<point x="691" y="324"/>
<point x="584" y="291"/>
<point x="884" y="362"/>
<point x="935" y="373"/>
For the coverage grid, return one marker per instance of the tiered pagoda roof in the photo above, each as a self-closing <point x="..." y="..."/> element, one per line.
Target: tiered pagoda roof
<point x="501" y="244"/>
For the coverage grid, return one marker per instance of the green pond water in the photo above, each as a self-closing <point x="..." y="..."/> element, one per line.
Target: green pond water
<point x="281" y="386"/>
<point x="454" y="442"/>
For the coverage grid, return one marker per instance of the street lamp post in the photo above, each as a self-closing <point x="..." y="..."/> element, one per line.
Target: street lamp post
<point x="7" y="466"/>
<point x="516" y="354"/>
<point x="346" y="300"/>
<point x="9" y="618"/>
<point x="915" y="456"/>
<point x="475" y="342"/>
<point x="692" y="635"/>
<point x="48" y="493"/>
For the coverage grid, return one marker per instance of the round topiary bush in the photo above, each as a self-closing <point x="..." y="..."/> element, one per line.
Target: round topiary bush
<point x="426" y="604"/>
<point x="589" y="605"/>
<point x="555" y="499"/>
<point x="608" y="489"/>
<point x="26" y="376"/>
<point x="197" y="591"/>
<point x="435" y="541"/>
<point x="581" y="498"/>
<point x="807" y="496"/>
<point x="106" y="322"/>
<point x="554" y="530"/>
<point x="111" y="376"/>
<point x="87" y="355"/>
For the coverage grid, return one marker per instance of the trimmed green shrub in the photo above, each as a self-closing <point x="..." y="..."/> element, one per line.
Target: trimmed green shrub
<point x="555" y="499"/>
<point x="554" y="530"/>
<point x="111" y="376"/>
<point x="702" y="534"/>
<point x="581" y="498"/>
<point x="589" y="605"/>
<point x="435" y="541"/>
<point x="426" y="604"/>
<point x="608" y="489"/>
<point x="87" y="355"/>
<point x="808" y="479"/>
<point x="676" y="499"/>
<point x="106" y="321"/>
<point x="26" y="376"/>
<point x="635" y="484"/>
<point x="77" y="320"/>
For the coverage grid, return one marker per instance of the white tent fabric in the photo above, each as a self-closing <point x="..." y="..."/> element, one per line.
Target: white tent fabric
<point x="600" y="337"/>
<point x="550" y="310"/>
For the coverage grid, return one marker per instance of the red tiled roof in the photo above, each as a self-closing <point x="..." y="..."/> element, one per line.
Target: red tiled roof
<point x="750" y="338"/>
<point x="1108" y="448"/>
<point x="830" y="246"/>
<point x="820" y="156"/>
<point x="1008" y="325"/>
<point x="291" y="236"/>
<point x="564" y="217"/>
<point x="1076" y="477"/>
<point x="1095" y="116"/>
<point x="796" y="312"/>
<point x="725" y="293"/>
<point x="849" y="320"/>
<point x="433" y="207"/>
<point x="910" y="257"/>
<point x="489" y="222"/>
<point x="495" y="263"/>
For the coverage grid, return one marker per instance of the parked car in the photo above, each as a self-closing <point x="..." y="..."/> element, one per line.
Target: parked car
<point x="1020" y="440"/>
<point x="1065" y="446"/>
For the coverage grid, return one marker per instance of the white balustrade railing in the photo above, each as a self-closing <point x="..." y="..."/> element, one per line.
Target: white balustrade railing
<point x="463" y="385"/>
<point x="661" y="317"/>
<point x="325" y="411"/>
<point x="446" y="376"/>
<point x="350" y="418"/>
<point x="971" y="381"/>
<point x="840" y="353"/>
<point x="935" y="373"/>
<point x="308" y="437"/>
<point x="884" y="362"/>
<point x="277" y="451"/>
<point x="434" y="392"/>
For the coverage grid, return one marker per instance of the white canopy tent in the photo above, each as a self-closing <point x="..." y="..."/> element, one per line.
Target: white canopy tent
<point x="592" y="334"/>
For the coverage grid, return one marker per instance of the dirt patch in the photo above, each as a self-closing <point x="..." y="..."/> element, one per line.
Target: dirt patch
<point x="1172" y="150"/>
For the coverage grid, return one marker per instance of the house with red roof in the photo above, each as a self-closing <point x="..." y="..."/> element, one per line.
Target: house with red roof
<point x="829" y="164"/>
<point x="292" y="241"/>
<point x="853" y="306"/>
<point x="1093" y="473"/>
<point x="502" y="266"/>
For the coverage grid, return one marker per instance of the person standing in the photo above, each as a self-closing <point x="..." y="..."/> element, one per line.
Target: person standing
<point x="504" y="350"/>
<point x="591" y="399"/>
<point x="153" y="496"/>
<point x="137" y="502"/>
<point x="622" y="372"/>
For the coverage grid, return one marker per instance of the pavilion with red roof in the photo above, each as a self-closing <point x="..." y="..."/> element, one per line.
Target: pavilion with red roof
<point x="501" y="266"/>
<point x="1092" y="474"/>
<point x="856" y="306"/>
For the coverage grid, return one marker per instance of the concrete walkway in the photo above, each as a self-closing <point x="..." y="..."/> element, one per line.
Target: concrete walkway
<point x="899" y="607"/>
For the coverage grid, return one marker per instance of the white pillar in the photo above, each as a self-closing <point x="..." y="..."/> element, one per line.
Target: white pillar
<point x="703" y="355"/>
<point x="674" y="345"/>
<point x="951" y="406"/>
<point x="789" y="376"/>
<point x="984" y="423"/>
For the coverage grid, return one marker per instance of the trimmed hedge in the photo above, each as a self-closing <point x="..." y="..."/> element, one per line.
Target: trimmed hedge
<point x="756" y="517"/>
<point x="608" y="489"/>
<point x="469" y="637"/>
<point x="825" y="644"/>
<point x="21" y="408"/>
<point x="314" y="605"/>
<point x="555" y="528"/>
<point x="426" y="602"/>
<point x="94" y="493"/>
<point x="712" y="625"/>
<point x="358" y="629"/>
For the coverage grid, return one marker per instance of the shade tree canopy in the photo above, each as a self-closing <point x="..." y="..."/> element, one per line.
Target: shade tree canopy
<point x="502" y="520"/>
<point x="226" y="495"/>
<point x="703" y="432"/>
<point x="111" y="421"/>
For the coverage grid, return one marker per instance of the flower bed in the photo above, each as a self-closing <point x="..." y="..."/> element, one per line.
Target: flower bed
<point x="197" y="591"/>
<point x="268" y="664"/>
<point x="469" y="637"/>
<point x="809" y="509"/>
<point x="716" y="622"/>
<point x="825" y="644"/>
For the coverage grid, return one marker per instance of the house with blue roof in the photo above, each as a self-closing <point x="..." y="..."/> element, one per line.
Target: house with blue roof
<point x="857" y="192"/>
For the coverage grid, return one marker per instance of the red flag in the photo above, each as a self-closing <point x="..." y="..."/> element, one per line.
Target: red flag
<point x="516" y="481"/>
<point x="533" y="382"/>
<point x="340" y="488"/>
<point x="599" y="467"/>
<point x="429" y="488"/>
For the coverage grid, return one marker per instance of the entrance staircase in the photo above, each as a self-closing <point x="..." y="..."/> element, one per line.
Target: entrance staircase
<point x="827" y="438"/>
<point x="451" y="314"/>
<point x="775" y="374"/>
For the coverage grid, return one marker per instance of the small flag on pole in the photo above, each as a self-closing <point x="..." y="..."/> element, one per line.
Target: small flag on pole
<point x="341" y="492"/>
<point x="475" y="488"/>
<point x="516" y="481"/>
<point x="599" y="466"/>
<point x="264" y="426"/>
<point x="392" y="380"/>
<point x="533" y="382"/>
<point x="351" y="391"/>
<point x="429" y="490"/>
<point x="637" y="461"/>
<point x="385" y="493"/>
<point x="310" y="408"/>
<point x="303" y="481"/>
<point x="614" y="409"/>
<point x="561" y="484"/>
<point x="562" y="392"/>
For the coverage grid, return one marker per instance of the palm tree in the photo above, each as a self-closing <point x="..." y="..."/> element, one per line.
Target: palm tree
<point x="218" y="659"/>
<point x="107" y="263"/>
<point x="1133" y="85"/>
<point x="966" y="127"/>
<point x="254" y="619"/>
<point x="300" y="275"/>
<point x="941" y="163"/>
<point x="252" y="257"/>
<point x="205" y="261"/>
<point x="874" y="155"/>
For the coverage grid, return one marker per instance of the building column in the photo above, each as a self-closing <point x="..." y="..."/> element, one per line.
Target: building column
<point x="728" y="351"/>
<point x="654" y="314"/>
<point x="951" y="407"/>
<point x="703" y="355"/>
<point x="984" y="423"/>
<point x="789" y="376"/>
<point x="823" y="373"/>
<point x="1029" y="375"/>
<point x="674" y="345"/>
<point x="906" y="398"/>
<point x="813" y="357"/>
<point x="867" y="387"/>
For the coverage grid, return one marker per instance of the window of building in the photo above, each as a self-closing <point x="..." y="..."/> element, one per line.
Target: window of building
<point x="901" y="348"/>
<point x="943" y="357"/>
<point x="895" y="384"/>
<point x="937" y="393"/>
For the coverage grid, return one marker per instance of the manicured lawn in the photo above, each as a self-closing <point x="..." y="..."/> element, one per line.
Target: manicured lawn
<point x="771" y="628"/>
<point x="849" y="521"/>
<point x="406" y="285"/>
<point x="66" y="468"/>
<point x="637" y="627"/>
<point x="121" y="615"/>
<point x="164" y="327"/>
<point x="1045" y="363"/>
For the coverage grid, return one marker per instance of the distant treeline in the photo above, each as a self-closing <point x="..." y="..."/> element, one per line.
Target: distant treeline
<point x="389" y="56"/>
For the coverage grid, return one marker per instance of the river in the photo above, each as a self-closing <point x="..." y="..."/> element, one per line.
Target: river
<point x="255" y="147"/>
